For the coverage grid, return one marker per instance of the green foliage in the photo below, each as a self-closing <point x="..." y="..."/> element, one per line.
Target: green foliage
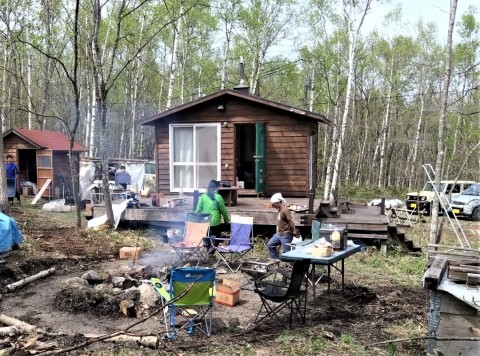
<point x="391" y="349"/>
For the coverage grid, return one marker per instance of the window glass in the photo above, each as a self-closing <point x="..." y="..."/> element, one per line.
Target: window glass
<point x="194" y="155"/>
<point x="44" y="161"/>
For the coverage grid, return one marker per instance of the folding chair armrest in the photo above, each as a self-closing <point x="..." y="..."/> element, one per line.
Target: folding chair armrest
<point x="260" y="285"/>
<point x="219" y="238"/>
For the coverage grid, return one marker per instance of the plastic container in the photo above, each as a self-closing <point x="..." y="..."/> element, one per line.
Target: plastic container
<point x="336" y="240"/>
<point x="326" y="231"/>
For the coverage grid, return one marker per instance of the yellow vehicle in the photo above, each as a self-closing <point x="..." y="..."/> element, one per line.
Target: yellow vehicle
<point x="422" y="201"/>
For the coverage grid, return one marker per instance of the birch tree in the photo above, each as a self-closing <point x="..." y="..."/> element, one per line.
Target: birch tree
<point x="352" y="9"/>
<point x="434" y="227"/>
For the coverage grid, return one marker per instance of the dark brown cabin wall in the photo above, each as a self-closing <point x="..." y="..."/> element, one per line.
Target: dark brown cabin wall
<point x="287" y="143"/>
<point x="12" y="143"/>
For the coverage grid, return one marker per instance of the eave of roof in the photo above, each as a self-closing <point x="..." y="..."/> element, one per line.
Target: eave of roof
<point x="228" y="92"/>
<point x="53" y="140"/>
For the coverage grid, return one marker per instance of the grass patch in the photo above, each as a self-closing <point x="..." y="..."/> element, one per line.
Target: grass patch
<point x="372" y="267"/>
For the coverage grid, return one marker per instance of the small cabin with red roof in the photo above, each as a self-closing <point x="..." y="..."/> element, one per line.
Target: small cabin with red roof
<point x="41" y="155"/>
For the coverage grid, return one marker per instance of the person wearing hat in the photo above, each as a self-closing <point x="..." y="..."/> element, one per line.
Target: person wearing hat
<point x="285" y="227"/>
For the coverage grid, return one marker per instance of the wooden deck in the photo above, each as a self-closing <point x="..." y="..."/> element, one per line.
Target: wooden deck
<point x="362" y="222"/>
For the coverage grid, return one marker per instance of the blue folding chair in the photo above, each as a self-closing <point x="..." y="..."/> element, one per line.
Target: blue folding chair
<point x="239" y="243"/>
<point x="187" y="300"/>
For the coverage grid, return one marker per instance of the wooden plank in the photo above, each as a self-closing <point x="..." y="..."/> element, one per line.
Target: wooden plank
<point x="39" y="194"/>
<point x="453" y="248"/>
<point x="452" y="325"/>
<point x="473" y="279"/>
<point x="433" y="276"/>
<point x="460" y="272"/>
<point x="368" y="236"/>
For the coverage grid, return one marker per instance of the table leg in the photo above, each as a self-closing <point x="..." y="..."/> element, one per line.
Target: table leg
<point x="328" y="269"/>
<point x="314" y="280"/>
<point x="343" y="275"/>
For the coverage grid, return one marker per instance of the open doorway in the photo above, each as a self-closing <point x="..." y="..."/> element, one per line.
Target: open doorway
<point x="27" y="165"/>
<point x="245" y="154"/>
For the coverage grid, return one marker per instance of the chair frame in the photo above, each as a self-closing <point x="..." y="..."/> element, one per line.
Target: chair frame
<point x="178" y="312"/>
<point x="192" y="246"/>
<point x="236" y="249"/>
<point x="276" y="297"/>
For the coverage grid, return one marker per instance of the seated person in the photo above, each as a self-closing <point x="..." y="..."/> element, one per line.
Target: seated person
<point x="122" y="178"/>
<point x="285" y="227"/>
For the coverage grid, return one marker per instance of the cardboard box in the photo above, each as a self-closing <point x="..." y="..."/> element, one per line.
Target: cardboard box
<point x="130" y="253"/>
<point x="228" y="292"/>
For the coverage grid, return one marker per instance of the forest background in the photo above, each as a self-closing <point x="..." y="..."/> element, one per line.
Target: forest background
<point x="95" y="69"/>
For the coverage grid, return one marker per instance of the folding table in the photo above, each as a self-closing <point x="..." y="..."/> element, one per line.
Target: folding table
<point x="303" y="251"/>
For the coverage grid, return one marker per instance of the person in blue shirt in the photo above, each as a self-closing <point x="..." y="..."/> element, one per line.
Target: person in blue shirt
<point x="11" y="170"/>
<point x="212" y="203"/>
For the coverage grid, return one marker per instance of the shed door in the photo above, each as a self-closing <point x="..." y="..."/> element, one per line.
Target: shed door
<point x="259" y="157"/>
<point x="44" y="171"/>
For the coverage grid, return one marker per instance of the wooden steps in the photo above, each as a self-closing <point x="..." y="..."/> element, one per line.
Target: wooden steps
<point x="398" y="235"/>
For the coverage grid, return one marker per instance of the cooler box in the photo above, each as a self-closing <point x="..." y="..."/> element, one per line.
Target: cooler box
<point x="326" y="231"/>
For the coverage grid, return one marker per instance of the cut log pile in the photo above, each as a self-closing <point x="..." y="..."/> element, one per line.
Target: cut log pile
<point x="107" y="292"/>
<point x="458" y="263"/>
<point x="123" y="287"/>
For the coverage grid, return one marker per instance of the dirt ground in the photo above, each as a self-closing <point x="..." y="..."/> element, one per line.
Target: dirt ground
<point x="365" y="311"/>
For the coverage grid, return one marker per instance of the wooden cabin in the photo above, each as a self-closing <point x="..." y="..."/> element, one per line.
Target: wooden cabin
<point x="238" y="138"/>
<point x="41" y="155"/>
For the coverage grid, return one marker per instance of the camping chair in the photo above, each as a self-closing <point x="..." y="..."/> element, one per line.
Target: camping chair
<point x="196" y="228"/>
<point x="276" y="296"/>
<point x="239" y="243"/>
<point x="187" y="300"/>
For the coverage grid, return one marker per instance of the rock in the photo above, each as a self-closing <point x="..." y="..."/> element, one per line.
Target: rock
<point x="122" y="282"/>
<point x="132" y="293"/>
<point x="106" y="277"/>
<point x="92" y="277"/>
<point x="116" y="291"/>
<point x="101" y="287"/>
<point x="148" y="295"/>
<point x="74" y="282"/>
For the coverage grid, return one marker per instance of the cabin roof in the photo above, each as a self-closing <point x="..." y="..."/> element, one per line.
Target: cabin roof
<point x="237" y="94"/>
<point x="53" y="140"/>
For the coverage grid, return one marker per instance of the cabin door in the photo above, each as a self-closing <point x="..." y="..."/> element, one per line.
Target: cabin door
<point x="249" y="157"/>
<point x="259" y="157"/>
<point x="44" y="171"/>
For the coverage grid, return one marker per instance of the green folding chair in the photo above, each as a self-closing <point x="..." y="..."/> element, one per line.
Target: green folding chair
<point x="187" y="300"/>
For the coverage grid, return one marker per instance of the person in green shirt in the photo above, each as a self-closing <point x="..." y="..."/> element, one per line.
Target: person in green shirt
<point x="212" y="203"/>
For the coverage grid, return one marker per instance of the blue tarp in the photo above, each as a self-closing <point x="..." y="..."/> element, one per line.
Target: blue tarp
<point x="10" y="235"/>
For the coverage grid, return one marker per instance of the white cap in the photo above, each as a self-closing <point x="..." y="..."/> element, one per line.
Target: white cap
<point x="277" y="198"/>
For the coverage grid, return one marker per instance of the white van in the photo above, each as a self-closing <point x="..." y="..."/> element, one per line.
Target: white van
<point x="422" y="201"/>
<point x="468" y="203"/>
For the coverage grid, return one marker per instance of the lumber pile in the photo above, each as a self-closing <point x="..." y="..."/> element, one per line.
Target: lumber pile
<point x="459" y="263"/>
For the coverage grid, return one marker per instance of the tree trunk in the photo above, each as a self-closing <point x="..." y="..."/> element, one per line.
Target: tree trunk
<point x="434" y="236"/>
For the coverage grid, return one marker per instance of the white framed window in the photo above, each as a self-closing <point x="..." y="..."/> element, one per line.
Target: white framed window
<point x="194" y="156"/>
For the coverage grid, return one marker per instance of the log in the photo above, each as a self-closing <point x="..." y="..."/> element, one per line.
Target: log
<point x="28" y="280"/>
<point x="9" y="331"/>
<point x="20" y="325"/>
<point x="433" y="276"/>
<point x="147" y="341"/>
<point x="9" y="351"/>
